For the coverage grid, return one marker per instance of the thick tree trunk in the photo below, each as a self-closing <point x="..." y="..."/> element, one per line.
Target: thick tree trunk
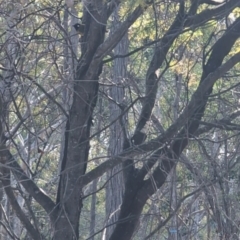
<point x="74" y="162"/>
<point x="173" y="188"/>
<point x="115" y="186"/>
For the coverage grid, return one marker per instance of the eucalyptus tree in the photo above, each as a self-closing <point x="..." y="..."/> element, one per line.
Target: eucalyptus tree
<point x="55" y="121"/>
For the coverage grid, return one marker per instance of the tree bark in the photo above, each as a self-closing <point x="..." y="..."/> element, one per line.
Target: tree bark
<point x="77" y="132"/>
<point x="115" y="186"/>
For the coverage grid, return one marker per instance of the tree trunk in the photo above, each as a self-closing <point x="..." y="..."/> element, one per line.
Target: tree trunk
<point x="115" y="186"/>
<point x="93" y="209"/>
<point x="77" y="133"/>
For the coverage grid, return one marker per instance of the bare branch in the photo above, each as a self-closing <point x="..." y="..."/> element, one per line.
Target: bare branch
<point x="172" y="130"/>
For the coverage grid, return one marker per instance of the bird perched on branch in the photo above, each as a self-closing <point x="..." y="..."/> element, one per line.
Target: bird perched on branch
<point x="79" y="27"/>
<point x="138" y="138"/>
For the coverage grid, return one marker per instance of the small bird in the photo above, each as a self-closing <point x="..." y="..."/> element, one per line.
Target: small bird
<point x="79" y="28"/>
<point x="138" y="138"/>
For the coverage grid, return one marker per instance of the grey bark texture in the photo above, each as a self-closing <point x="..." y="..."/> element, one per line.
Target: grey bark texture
<point x="115" y="186"/>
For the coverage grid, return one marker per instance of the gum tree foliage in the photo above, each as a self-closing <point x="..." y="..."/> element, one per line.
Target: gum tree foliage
<point x="180" y="94"/>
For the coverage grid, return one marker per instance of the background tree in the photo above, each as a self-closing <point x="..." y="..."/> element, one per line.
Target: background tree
<point x="142" y="117"/>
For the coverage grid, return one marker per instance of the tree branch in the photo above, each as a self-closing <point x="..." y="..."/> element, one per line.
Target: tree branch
<point x="108" y="45"/>
<point x="151" y="85"/>
<point x="217" y="13"/>
<point x="5" y="178"/>
<point x="194" y="103"/>
<point x="224" y="123"/>
<point x="195" y="110"/>
<point x="45" y="201"/>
